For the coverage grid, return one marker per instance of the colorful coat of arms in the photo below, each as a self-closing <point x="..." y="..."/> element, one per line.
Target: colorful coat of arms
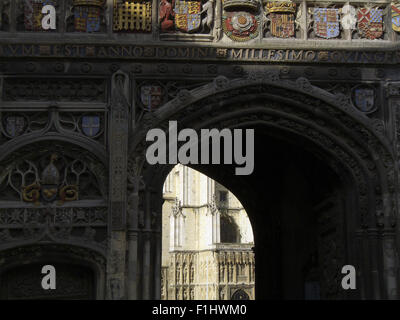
<point x="91" y="125"/>
<point x="240" y="26"/>
<point x="87" y="18"/>
<point x="364" y="98"/>
<point x="396" y="16"/>
<point x="187" y="15"/>
<point x="33" y="15"/>
<point x="370" y="22"/>
<point x="151" y="96"/>
<point x="281" y="15"/>
<point x="326" y="22"/>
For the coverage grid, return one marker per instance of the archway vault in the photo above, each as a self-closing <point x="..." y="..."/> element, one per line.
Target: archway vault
<point x="327" y="125"/>
<point x="337" y="131"/>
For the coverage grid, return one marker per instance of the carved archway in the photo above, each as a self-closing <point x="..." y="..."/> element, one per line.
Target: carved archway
<point x="53" y="207"/>
<point x="80" y="272"/>
<point x="351" y="144"/>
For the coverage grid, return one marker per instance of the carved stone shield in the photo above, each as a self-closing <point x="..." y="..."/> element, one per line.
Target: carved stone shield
<point x="87" y="18"/>
<point x="15" y="125"/>
<point x="151" y="96"/>
<point x="240" y="26"/>
<point x="326" y="22"/>
<point x="396" y="16"/>
<point x="370" y="22"/>
<point x="364" y="98"/>
<point x="187" y="15"/>
<point x="91" y="125"/>
<point x="282" y="25"/>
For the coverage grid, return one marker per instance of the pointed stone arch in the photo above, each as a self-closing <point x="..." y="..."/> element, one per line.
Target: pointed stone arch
<point x="327" y="125"/>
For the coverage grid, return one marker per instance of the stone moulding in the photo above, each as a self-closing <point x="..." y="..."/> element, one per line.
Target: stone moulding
<point x="200" y="53"/>
<point x="325" y="119"/>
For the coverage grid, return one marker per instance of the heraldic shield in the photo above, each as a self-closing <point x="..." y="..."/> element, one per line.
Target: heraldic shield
<point x="364" y="98"/>
<point x="326" y="22"/>
<point x="15" y="125"/>
<point x="187" y="15"/>
<point x="87" y="18"/>
<point x="370" y="22"/>
<point x="281" y="15"/>
<point x="396" y="17"/>
<point x="151" y="96"/>
<point x="33" y="14"/>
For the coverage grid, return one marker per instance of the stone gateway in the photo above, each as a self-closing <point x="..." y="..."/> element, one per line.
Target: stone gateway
<point x="319" y="85"/>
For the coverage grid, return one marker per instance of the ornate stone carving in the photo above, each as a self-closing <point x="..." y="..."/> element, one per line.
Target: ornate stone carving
<point x="52" y="177"/>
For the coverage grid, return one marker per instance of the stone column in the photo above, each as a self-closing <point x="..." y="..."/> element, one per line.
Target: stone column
<point x="118" y="146"/>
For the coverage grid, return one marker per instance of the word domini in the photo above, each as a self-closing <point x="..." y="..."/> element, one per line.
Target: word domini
<point x="188" y="153"/>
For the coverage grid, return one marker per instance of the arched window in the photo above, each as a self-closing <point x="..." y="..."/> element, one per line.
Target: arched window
<point x="229" y="230"/>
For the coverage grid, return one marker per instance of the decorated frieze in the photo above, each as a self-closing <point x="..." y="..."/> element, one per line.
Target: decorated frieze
<point x="189" y="53"/>
<point x="226" y="21"/>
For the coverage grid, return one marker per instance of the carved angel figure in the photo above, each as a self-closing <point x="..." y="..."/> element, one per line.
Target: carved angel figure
<point x="208" y="20"/>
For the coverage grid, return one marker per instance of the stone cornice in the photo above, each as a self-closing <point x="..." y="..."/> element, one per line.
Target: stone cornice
<point x="187" y="52"/>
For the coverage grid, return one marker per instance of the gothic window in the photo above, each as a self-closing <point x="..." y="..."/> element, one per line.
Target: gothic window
<point x="240" y="295"/>
<point x="229" y="230"/>
<point x="223" y="196"/>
